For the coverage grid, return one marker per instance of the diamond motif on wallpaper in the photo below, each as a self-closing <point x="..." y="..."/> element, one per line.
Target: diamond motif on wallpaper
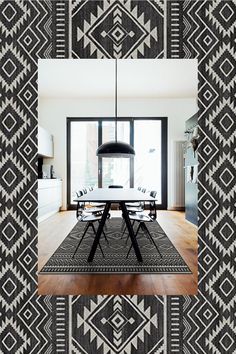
<point x="117" y="38"/>
<point x="117" y="321"/>
<point x="13" y="338"/>
<point x="223" y="224"/>
<point x="208" y="149"/>
<point x="9" y="122"/>
<point x="30" y="313"/>
<point x="221" y="177"/>
<point x="226" y="122"/>
<point x="206" y="314"/>
<point x="9" y="287"/>
<point x="207" y="95"/>
<point x="223" y="126"/>
<point x="27" y="204"/>
<point x="9" y="342"/>
<point x="13" y="16"/>
<point x="221" y="287"/>
<point x="226" y="177"/>
<point x="226" y="231"/>
<point x="208" y="204"/>
<point x="14" y="177"/>
<point x="222" y="338"/>
<point x="9" y="231"/>
<point x="12" y="279"/>
<point x="29" y="40"/>
<point x="206" y="40"/>
<point x="208" y="259"/>
<point x="9" y="177"/>
<point x="15" y="68"/>
<point x="118" y="29"/>
<point x="27" y="150"/>
<point x="14" y="232"/>
<point x="222" y="15"/>
<point x="12" y="117"/>
<point x="28" y="95"/>
<point x="222" y="67"/>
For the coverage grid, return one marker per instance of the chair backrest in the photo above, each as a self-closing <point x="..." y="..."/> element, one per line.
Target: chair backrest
<point x="115" y="186"/>
<point x="80" y="205"/>
<point x="153" y="194"/>
<point x="152" y="206"/>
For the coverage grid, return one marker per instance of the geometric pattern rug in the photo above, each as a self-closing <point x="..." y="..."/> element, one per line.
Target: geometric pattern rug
<point x="115" y="252"/>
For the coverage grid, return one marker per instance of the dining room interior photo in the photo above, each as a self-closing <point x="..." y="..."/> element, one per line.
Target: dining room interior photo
<point x="117" y="176"/>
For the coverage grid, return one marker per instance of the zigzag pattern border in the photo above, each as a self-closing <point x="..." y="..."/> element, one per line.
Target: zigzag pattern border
<point x="203" y="32"/>
<point x="29" y="31"/>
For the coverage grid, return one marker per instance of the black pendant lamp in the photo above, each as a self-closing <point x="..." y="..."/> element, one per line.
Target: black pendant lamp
<point x="115" y="148"/>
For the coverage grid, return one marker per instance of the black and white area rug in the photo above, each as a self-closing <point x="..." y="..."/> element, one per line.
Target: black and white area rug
<point x="115" y="251"/>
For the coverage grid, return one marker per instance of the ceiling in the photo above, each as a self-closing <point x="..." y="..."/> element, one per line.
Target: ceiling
<point x="137" y="78"/>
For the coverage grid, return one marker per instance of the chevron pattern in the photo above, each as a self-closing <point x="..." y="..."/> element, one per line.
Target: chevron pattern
<point x="26" y="31"/>
<point x="117" y="324"/>
<point x="207" y="33"/>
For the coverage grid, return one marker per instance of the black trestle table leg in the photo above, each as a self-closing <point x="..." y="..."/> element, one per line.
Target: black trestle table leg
<point x="99" y="232"/>
<point x="131" y="231"/>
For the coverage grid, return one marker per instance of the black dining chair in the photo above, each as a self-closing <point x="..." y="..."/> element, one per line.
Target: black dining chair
<point x="142" y="219"/>
<point x="136" y="204"/>
<point x="92" y="208"/>
<point x="88" y="218"/>
<point x="133" y="207"/>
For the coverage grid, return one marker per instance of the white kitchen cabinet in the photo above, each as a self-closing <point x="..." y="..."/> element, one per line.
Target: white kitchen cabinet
<point x="45" y="142"/>
<point x="49" y="197"/>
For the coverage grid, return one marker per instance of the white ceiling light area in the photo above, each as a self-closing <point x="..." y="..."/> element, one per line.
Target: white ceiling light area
<point x="137" y="78"/>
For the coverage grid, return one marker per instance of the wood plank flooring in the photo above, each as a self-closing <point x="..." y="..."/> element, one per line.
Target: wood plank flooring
<point x="182" y="234"/>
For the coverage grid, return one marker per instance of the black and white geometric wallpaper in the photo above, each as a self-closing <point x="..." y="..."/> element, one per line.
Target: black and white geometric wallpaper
<point x="32" y="324"/>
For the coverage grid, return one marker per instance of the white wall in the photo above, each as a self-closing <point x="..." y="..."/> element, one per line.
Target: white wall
<point x="53" y="114"/>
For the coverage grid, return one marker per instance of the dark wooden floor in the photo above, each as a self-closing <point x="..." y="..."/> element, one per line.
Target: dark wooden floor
<point x="182" y="234"/>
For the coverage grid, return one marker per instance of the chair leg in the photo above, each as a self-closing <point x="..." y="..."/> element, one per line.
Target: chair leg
<point x="105" y="227"/>
<point x="144" y="228"/>
<point x="131" y="243"/>
<point x="123" y="232"/>
<point x="98" y="242"/>
<point x="148" y="232"/>
<point x="123" y="225"/>
<point x="105" y="237"/>
<point x="128" y="234"/>
<point x="127" y="238"/>
<point x="85" y="230"/>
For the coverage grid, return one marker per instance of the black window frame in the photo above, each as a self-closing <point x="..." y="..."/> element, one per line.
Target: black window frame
<point x="164" y="147"/>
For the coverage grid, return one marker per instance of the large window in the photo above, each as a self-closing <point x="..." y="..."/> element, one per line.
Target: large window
<point x="148" y="169"/>
<point x="83" y="160"/>
<point x="148" y="149"/>
<point x="116" y="171"/>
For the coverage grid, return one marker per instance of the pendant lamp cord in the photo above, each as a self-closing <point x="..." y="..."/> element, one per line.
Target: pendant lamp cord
<point x="116" y="102"/>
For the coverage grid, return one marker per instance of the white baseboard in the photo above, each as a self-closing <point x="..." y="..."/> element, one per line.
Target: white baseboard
<point x="46" y="216"/>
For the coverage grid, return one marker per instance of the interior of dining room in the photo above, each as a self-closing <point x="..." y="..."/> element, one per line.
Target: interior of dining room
<point x="121" y="207"/>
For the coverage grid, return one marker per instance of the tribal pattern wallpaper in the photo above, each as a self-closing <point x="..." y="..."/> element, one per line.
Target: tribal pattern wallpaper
<point x="32" y="324"/>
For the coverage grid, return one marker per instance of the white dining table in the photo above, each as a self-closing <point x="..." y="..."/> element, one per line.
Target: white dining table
<point x="120" y="196"/>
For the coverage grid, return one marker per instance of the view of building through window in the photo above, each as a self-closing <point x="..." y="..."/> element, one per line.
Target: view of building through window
<point x="147" y="162"/>
<point x="85" y="169"/>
